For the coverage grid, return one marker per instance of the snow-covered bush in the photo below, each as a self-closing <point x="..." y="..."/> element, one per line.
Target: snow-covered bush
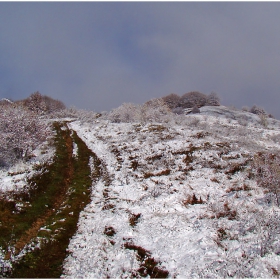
<point x="84" y="116"/>
<point x="127" y="112"/>
<point x="258" y="110"/>
<point x="245" y="109"/>
<point x="192" y="121"/>
<point x="21" y="132"/>
<point x="195" y="110"/>
<point x="263" y="120"/>
<point x="155" y="110"/>
<point x="42" y="104"/>
<point x="178" y="111"/>
<point x="243" y="120"/>
<point x="87" y="116"/>
<point x="266" y="167"/>
<point x="213" y="99"/>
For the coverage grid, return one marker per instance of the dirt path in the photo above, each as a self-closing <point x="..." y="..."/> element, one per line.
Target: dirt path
<point x="57" y="197"/>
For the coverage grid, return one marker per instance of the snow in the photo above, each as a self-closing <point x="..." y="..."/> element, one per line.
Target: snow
<point x="15" y="178"/>
<point x="183" y="238"/>
<point x="6" y="100"/>
<point x="154" y="171"/>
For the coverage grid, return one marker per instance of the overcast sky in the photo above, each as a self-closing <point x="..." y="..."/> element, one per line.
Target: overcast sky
<point x="98" y="55"/>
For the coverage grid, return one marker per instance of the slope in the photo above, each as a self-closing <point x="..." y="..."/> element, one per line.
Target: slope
<point x="182" y="202"/>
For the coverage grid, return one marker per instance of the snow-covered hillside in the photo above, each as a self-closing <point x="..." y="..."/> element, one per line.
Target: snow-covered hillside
<point x="178" y="200"/>
<point x="175" y="199"/>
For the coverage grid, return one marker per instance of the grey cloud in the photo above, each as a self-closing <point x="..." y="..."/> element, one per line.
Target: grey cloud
<point x="98" y="55"/>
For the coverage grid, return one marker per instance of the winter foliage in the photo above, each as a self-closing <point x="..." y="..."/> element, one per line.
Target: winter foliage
<point x="190" y="100"/>
<point x="154" y="110"/>
<point x="21" y="132"/>
<point x="41" y="104"/>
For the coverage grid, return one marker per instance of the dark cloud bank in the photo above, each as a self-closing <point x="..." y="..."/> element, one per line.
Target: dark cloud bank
<point x="96" y="55"/>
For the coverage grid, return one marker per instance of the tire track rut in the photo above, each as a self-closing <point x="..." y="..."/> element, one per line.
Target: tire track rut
<point x="58" y="196"/>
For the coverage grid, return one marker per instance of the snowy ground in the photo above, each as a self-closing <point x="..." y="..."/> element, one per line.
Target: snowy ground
<point x="14" y="179"/>
<point x="174" y="199"/>
<point x="147" y="211"/>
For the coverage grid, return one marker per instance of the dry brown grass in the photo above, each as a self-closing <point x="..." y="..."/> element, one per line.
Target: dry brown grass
<point x="149" y="267"/>
<point x="165" y="172"/>
<point x="191" y="200"/>
<point x="133" y="219"/>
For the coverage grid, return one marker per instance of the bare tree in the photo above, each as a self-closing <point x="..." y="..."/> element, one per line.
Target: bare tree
<point x="213" y="99"/>
<point x="35" y="103"/>
<point x="42" y="104"/>
<point x="193" y="98"/>
<point x="172" y="100"/>
<point x="52" y="105"/>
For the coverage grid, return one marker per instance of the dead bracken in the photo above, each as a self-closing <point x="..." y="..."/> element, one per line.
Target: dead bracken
<point x="148" y="265"/>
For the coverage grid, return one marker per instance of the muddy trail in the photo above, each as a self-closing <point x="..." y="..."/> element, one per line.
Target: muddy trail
<point x="45" y="224"/>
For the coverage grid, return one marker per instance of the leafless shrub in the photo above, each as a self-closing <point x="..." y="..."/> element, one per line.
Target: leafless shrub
<point x="155" y="110"/>
<point x="42" y="104"/>
<point x="222" y="210"/>
<point x="243" y="121"/>
<point x="178" y="110"/>
<point x="263" y="120"/>
<point x="192" y="121"/>
<point x="266" y="167"/>
<point x="195" y="110"/>
<point x="127" y="112"/>
<point x="172" y="100"/>
<point x="245" y="109"/>
<point x="86" y="116"/>
<point x="52" y="105"/>
<point x="258" y="110"/>
<point x="267" y="229"/>
<point x="193" y="98"/>
<point x="213" y="99"/>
